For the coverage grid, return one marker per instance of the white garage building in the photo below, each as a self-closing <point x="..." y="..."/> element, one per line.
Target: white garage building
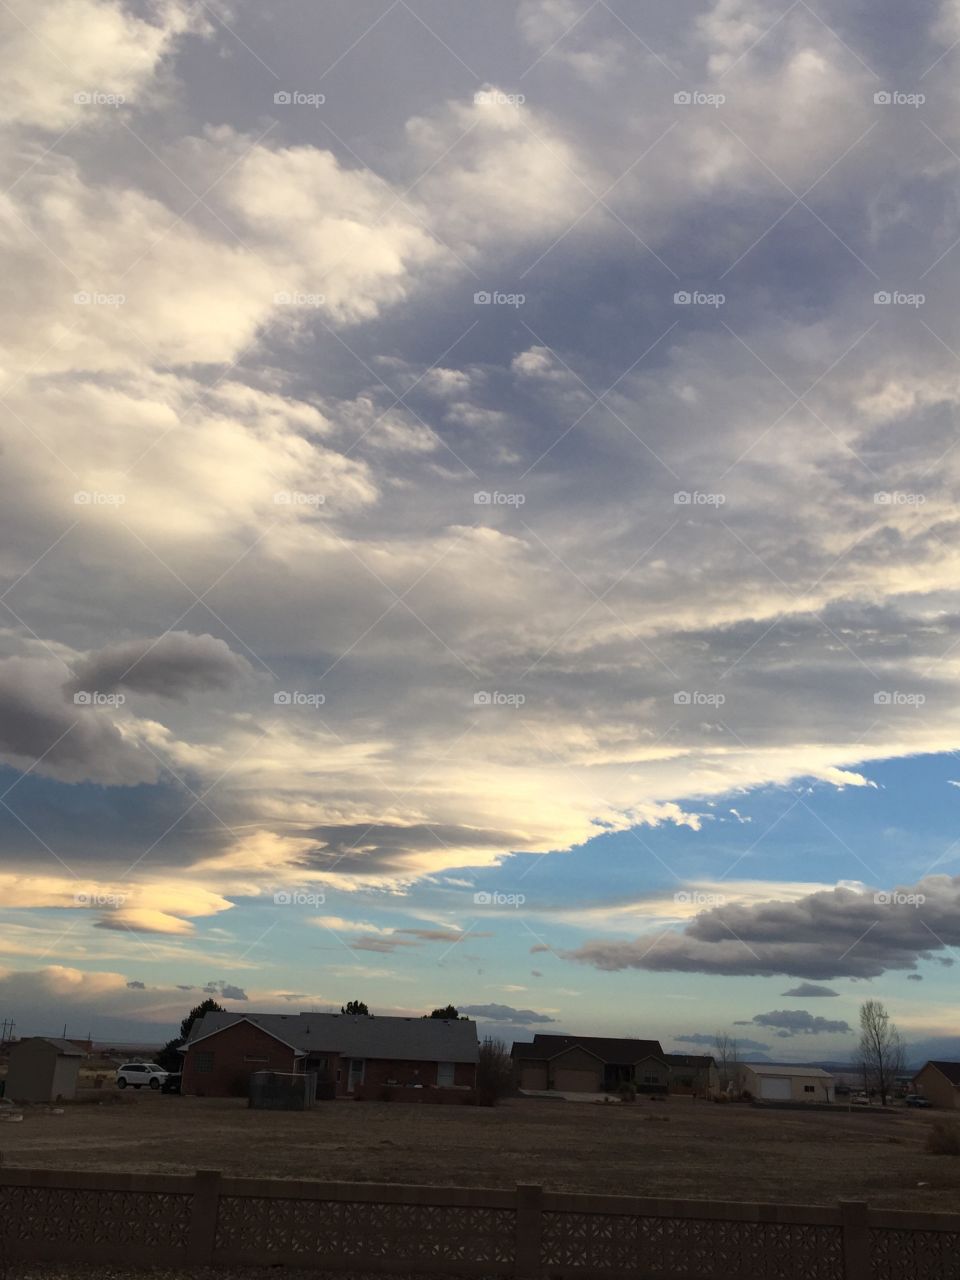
<point x="786" y="1084"/>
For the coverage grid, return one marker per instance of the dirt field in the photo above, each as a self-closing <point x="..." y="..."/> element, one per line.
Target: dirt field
<point x="675" y="1148"/>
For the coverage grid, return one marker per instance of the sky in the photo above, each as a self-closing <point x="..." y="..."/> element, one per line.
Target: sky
<point x="478" y="519"/>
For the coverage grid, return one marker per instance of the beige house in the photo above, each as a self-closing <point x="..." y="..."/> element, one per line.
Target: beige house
<point x="590" y="1064"/>
<point x="42" y="1069"/>
<point x="939" y="1083"/>
<point x="786" y="1084"/>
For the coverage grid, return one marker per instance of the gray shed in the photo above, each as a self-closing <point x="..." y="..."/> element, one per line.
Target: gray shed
<point x="42" y="1069"/>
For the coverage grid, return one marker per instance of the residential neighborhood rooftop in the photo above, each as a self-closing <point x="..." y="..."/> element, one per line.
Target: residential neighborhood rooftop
<point x="357" y="1036"/>
<point x="623" y="1049"/>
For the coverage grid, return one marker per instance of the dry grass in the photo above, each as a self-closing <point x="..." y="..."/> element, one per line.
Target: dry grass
<point x="698" y="1151"/>
<point x="943" y="1138"/>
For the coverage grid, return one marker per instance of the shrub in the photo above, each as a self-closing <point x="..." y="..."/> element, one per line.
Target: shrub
<point x="943" y="1139"/>
<point x="628" y="1092"/>
<point x="494" y="1069"/>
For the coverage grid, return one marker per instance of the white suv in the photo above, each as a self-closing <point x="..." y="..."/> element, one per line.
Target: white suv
<point x="139" y="1074"/>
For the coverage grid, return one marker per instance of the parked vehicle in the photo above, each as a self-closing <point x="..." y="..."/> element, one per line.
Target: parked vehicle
<point x="916" y="1100"/>
<point x="138" y="1074"/>
<point x="172" y="1083"/>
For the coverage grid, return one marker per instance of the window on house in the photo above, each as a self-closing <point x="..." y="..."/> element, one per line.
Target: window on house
<point x="809" y="1088"/>
<point x="204" y="1061"/>
<point x="651" y="1077"/>
<point x="249" y="1057"/>
<point x="445" y="1072"/>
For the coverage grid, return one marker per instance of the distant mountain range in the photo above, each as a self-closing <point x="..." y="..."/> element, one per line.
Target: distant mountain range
<point x="944" y="1049"/>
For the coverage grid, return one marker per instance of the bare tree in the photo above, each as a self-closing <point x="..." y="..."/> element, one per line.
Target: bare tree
<point x="881" y="1049"/>
<point x="727" y="1053"/>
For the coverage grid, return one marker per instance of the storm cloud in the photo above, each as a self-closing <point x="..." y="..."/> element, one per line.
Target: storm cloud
<point x="169" y="666"/>
<point x="794" y="1022"/>
<point x="840" y="933"/>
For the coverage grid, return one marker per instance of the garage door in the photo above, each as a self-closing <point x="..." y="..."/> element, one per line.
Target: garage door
<point x="533" y="1077"/>
<point x="571" y="1080"/>
<point x="775" y="1087"/>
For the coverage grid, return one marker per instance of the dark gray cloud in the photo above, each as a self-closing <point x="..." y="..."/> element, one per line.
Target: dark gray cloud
<point x="172" y="665"/>
<point x="829" y="934"/>
<point x="384" y="944"/>
<point x="42" y="728"/>
<point x="366" y="848"/>
<point x="705" y="1040"/>
<point x="504" y="1013"/>
<point x="225" y="989"/>
<point x="137" y="986"/>
<point x="810" y="990"/>
<point x="795" y="1022"/>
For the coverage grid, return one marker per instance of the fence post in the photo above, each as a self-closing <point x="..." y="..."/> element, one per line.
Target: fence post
<point x="856" y="1240"/>
<point x="529" y="1228"/>
<point x="202" y="1236"/>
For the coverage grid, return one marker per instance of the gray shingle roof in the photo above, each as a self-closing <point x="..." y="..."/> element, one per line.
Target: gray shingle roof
<point x="950" y="1069"/>
<point x="612" y="1049"/>
<point x="416" y="1039"/>
<point x="66" y="1047"/>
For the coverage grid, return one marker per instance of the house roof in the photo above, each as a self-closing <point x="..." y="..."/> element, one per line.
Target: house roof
<point x="613" y="1049"/>
<point x="690" y="1060"/>
<point x="66" y="1048"/>
<point x="364" y="1036"/>
<point x="766" y="1069"/>
<point x="949" y="1069"/>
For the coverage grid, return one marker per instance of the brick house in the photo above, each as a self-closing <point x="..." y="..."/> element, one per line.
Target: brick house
<point x="347" y="1051"/>
<point x="590" y="1064"/>
<point x="939" y="1083"/>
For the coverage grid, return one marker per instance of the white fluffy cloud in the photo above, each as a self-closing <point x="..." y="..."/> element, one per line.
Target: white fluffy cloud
<point x="442" y="598"/>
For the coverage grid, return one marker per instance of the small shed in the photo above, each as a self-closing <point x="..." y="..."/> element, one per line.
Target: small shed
<point x="42" y="1069"/>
